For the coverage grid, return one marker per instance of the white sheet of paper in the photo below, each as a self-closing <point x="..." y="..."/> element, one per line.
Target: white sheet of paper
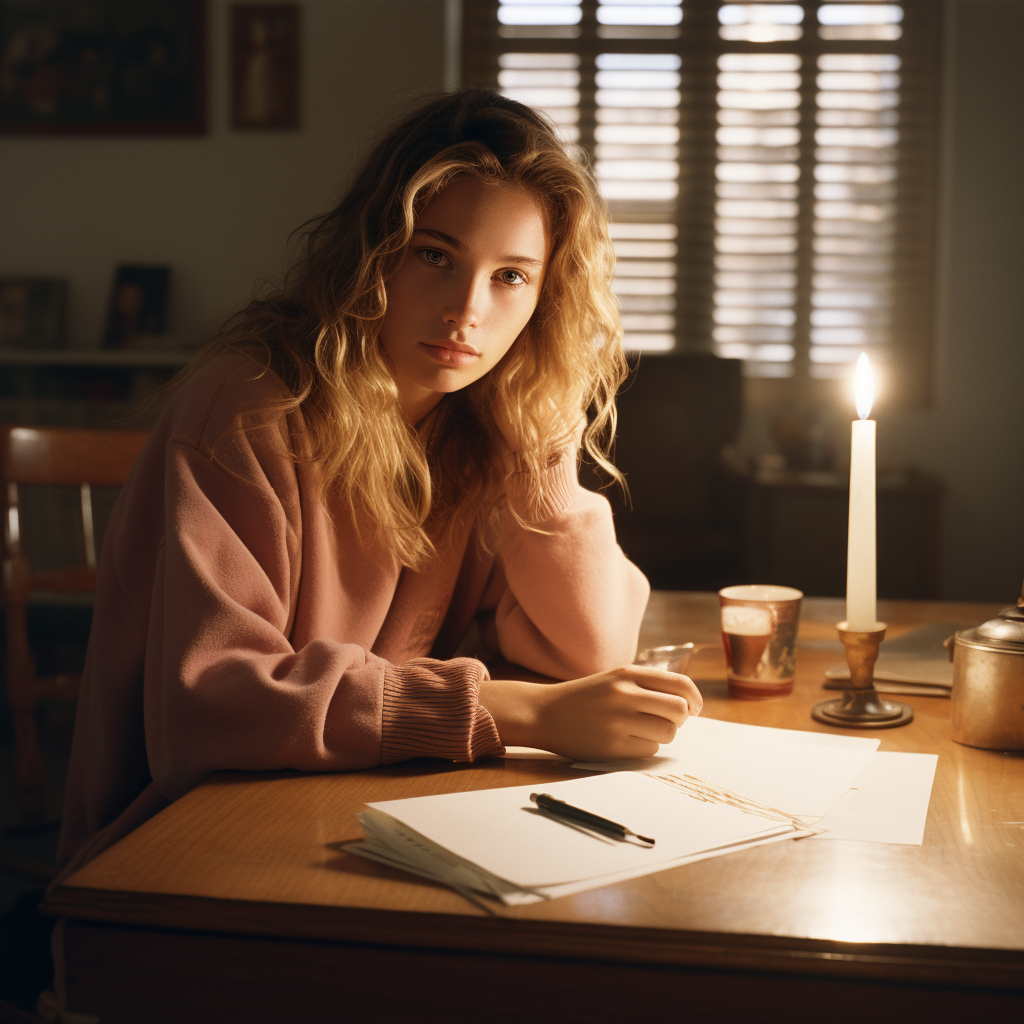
<point x="553" y="891"/>
<point x="888" y="802"/>
<point x="439" y="871"/>
<point x="502" y="831"/>
<point x="799" y="773"/>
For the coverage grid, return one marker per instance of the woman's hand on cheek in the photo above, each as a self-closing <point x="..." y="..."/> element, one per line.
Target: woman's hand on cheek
<point x="625" y="712"/>
<point x="563" y="432"/>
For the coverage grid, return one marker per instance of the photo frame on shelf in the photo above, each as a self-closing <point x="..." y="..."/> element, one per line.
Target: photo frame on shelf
<point x="33" y="312"/>
<point x="138" y="305"/>
<point x="265" y="66"/>
<point x="102" y="67"/>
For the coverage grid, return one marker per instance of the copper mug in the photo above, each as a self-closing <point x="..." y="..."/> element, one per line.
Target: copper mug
<point x="759" y="624"/>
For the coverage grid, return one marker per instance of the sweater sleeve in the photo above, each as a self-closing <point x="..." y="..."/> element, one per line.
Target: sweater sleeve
<point x="570" y="603"/>
<point x="225" y="689"/>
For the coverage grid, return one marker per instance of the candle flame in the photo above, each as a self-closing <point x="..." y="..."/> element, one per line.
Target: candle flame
<point x="864" y="386"/>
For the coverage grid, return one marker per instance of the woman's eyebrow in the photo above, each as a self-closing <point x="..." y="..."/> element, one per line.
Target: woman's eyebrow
<point x="442" y="237"/>
<point x="459" y="247"/>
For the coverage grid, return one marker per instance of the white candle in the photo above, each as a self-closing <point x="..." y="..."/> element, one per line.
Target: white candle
<point x="861" y="587"/>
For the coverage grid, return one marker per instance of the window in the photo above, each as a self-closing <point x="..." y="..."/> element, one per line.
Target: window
<point x="769" y="167"/>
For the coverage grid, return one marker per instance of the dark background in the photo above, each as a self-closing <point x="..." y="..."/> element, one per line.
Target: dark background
<point x="218" y="209"/>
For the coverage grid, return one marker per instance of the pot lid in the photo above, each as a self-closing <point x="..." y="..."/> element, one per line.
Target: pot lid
<point x="1007" y="627"/>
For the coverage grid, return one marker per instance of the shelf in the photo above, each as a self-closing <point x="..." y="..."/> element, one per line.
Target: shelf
<point x="71" y="357"/>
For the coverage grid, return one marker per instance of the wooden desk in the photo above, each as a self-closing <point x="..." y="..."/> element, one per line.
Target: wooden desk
<point x="236" y="903"/>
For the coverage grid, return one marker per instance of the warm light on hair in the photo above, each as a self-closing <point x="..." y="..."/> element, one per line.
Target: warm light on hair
<point x="320" y="332"/>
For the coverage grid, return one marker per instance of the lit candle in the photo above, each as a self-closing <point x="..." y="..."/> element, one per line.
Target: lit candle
<point x="861" y="611"/>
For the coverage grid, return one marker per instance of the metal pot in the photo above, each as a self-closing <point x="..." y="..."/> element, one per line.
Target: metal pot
<point x="988" y="682"/>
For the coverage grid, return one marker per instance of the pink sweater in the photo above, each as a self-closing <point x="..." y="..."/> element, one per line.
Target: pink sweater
<point x="238" y="625"/>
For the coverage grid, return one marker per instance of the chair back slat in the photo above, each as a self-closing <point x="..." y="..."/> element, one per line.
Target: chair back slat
<point x="75" y="579"/>
<point x="52" y="455"/>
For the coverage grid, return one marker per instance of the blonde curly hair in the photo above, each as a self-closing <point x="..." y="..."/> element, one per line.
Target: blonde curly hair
<point x="319" y="333"/>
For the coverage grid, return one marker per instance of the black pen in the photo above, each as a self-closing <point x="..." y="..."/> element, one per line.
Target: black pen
<point x="561" y="809"/>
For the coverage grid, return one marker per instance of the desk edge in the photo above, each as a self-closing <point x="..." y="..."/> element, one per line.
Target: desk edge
<point x="477" y="933"/>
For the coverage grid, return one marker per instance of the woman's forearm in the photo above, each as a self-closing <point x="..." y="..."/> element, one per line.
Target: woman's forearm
<point x="513" y="705"/>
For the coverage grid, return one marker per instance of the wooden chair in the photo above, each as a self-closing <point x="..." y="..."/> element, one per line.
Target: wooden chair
<point x="33" y="456"/>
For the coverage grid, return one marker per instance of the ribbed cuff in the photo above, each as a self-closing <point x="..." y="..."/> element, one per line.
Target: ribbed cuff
<point x="432" y="709"/>
<point x="558" y="487"/>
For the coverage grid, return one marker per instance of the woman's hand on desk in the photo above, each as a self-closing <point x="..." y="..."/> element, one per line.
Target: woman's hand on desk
<point x="625" y="712"/>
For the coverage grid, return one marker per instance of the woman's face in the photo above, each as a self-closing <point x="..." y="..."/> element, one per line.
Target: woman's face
<point x="468" y="285"/>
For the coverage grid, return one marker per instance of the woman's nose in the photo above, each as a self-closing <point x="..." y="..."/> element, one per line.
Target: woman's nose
<point x="463" y="304"/>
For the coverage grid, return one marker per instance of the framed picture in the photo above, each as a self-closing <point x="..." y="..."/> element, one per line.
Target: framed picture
<point x="138" y="305"/>
<point x="102" y="67"/>
<point x="265" y="65"/>
<point x="33" y="312"/>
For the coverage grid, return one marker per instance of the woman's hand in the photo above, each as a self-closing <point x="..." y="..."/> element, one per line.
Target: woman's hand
<point x="567" y="434"/>
<point x="624" y="712"/>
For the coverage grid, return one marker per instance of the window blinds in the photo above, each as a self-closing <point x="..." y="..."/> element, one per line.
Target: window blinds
<point x="769" y="168"/>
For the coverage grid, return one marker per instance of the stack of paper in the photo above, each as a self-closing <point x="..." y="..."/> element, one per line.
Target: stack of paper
<point x="717" y="788"/>
<point x="495" y="841"/>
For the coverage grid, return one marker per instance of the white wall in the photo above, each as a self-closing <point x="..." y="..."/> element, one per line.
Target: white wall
<point x="218" y="207"/>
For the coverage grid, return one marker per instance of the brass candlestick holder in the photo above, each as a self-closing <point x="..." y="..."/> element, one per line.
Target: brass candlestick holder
<point x="860" y="707"/>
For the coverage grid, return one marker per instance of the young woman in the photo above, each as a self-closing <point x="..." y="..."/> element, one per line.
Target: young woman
<point x="361" y="468"/>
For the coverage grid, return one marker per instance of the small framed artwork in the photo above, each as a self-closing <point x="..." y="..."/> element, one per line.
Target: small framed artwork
<point x="33" y="312"/>
<point x="138" y="305"/>
<point x="265" y="65"/>
<point x="102" y="67"/>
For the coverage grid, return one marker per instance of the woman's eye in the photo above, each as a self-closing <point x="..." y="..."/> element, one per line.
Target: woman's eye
<point x="512" y="277"/>
<point x="433" y="256"/>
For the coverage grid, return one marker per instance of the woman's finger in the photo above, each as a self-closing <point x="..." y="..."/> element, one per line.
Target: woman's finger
<point x="653" y="727"/>
<point x="668" y="706"/>
<point x="668" y="682"/>
<point x="634" y="746"/>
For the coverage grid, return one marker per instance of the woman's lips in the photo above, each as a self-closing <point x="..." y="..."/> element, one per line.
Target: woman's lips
<point x="450" y="356"/>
